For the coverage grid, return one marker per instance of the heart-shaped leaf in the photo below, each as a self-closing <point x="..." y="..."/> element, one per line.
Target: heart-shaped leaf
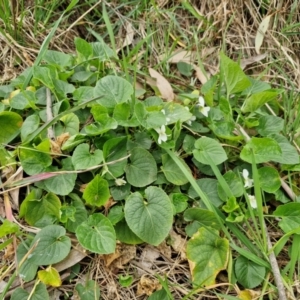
<point x="142" y="170"/>
<point x="39" y="293"/>
<point x="114" y="90"/>
<point x="83" y="159"/>
<point x="52" y="246"/>
<point x="208" y="149"/>
<point x="97" y="234"/>
<point x="97" y="192"/>
<point x="150" y="218"/>
<point x="208" y="253"/>
<point x="10" y="124"/>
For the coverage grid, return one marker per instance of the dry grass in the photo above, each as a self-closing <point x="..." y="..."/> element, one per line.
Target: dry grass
<point x="228" y="25"/>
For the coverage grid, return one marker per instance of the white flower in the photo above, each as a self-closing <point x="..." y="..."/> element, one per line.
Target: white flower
<point x="203" y="109"/>
<point x="248" y="181"/>
<point x="167" y="119"/>
<point x="120" y="181"/>
<point x="162" y="136"/>
<point x="252" y="201"/>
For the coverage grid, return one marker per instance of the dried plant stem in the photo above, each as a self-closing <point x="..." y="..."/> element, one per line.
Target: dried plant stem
<point x="276" y="271"/>
<point x="51" y="135"/>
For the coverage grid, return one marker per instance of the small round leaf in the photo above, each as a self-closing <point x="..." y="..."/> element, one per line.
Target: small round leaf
<point x="207" y="150"/>
<point x="248" y="273"/>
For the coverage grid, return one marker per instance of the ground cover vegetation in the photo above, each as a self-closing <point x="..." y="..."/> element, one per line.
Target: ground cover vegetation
<point x="149" y="149"/>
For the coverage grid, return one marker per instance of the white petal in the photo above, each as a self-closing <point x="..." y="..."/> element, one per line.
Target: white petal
<point x="245" y="174"/>
<point x="120" y="181"/>
<point x="201" y="101"/>
<point x="205" y="110"/>
<point x="252" y="201"/>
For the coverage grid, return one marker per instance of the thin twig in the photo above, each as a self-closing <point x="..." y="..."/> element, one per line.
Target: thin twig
<point x="288" y="190"/>
<point x="275" y="270"/>
<point x="49" y="114"/>
<point x="80" y="18"/>
<point x="58" y="173"/>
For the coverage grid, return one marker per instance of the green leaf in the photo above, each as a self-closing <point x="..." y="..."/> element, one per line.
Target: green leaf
<point x="269" y="125"/>
<point x="120" y="192"/>
<point x="62" y="88"/>
<point x="68" y="123"/>
<point x="209" y="253"/>
<point x="204" y="217"/>
<point x="44" y="76"/>
<point x="255" y="101"/>
<point x="179" y="202"/>
<point x="114" y="90"/>
<point x="185" y="68"/>
<point x="83" y="93"/>
<point x="142" y="170"/>
<point x="97" y="234"/>
<point x="172" y="171"/>
<point x="209" y="187"/>
<point x="10" y="124"/>
<point x="101" y="50"/>
<point x="290" y="214"/>
<point x="97" y="192"/>
<point x="159" y="295"/>
<point x="83" y="159"/>
<point x="269" y="179"/>
<point x="73" y="141"/>
<point x="34" y="209"/>
<point x="52" y="246"/>
<point x="23" y="100"/>
<point x="176" y="112"/>
<point x="83" y="48"/>
<point x="248" y="273"/>
<point x="67" y="213"/>
<point x="89" y="291"/>
<point x="125" y="281"/>
<point x="8" y="227"/>
<point x="62" y="184"/>
<point x="289" y="155"/>
<point x="234" y="183"/>
<point x="58" y="59"/>
<point x="115" y="214"/>
<point x="114" y="149"/>
<point x="33" y="160"/>
<point x="149" y="119"/>
<point x="30" y="125"/>
<point x="40" y="293"/>
<point x="80" y="213"/>
<point x="231" y="206"/>
<point x="207" y="147"/>
<point x="150" y="218"/>
<point x="256" y="87"/>
<point x="50" y="276"/>
<point x="235" y="79"/>
<point x="225" y="130"/>
<point x="126" y="235"/>
<point x="264" y="150"/>
<point x="122" y="114"/>
<point x="99" y="128"/>
<point x="27" y="271"/>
